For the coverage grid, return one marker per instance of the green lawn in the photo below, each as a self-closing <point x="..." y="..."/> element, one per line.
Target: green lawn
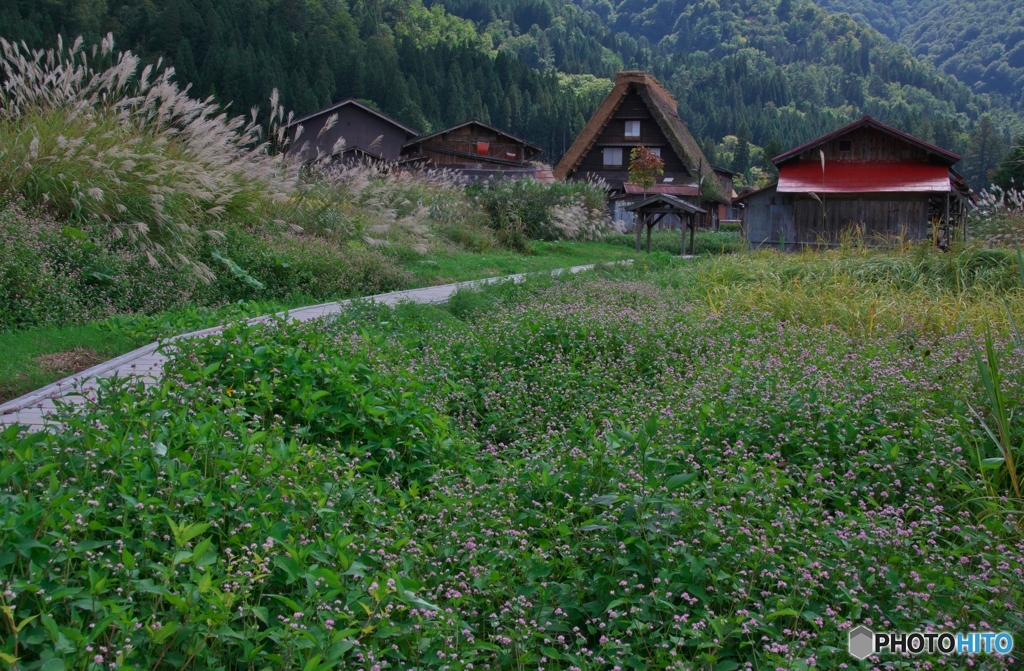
<point x="20" y="371"/>
<point x="434" y="269"/>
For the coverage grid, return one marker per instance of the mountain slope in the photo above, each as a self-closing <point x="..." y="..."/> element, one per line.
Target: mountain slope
<point x="773" y="72"/>
<point x="426" y="68"/>
<point x="981" y="42"/>
<point x="778" y="72"/>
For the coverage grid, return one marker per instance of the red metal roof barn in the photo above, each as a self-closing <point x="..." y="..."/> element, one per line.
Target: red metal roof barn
<point x="865" y="179"/>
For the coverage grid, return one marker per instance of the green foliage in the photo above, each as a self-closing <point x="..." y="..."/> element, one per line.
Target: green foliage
<point x="704" y="242"/>
<point x="645" y="167"/>
<point x="538" y="68"/>
<point x="544" y="471"/>
<point x="1010" y="172"/>
<point x="790" y="72"/>
<point x="523" y="210"/>
<point x="978" y="42"/>
<point x="426" y="68"/>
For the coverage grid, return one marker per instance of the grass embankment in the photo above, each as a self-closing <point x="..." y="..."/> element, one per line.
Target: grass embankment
<point x="37" y="356"/>
<point x="610" y="471"/>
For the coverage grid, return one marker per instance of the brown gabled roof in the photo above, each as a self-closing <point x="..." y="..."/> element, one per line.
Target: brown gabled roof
<point x="877" y="125"/>
<point x="474" y="122"/>
<point x="665" y="111"/>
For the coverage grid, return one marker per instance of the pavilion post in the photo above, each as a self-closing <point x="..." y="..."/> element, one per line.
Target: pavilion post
<point x="650" y="225"/>
<point x="639" y="227"/>
<point x="693" y="230"/>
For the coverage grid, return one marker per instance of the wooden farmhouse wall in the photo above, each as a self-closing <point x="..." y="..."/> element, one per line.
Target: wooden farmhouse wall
<point x="632" y="108"/>
<point x="360" y="129"/>
<point x="473" y="144"/>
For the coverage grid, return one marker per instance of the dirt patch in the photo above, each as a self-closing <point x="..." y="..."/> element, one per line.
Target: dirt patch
<point x="71" y="362"/>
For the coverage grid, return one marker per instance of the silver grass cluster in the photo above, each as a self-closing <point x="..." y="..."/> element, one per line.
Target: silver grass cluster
<point x="126" y="146"/>
<point x="998" y="218"/>
<point x="576" y="221"/>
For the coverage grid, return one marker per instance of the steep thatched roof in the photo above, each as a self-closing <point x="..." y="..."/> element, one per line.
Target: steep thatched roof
<point x="665" y="111"/>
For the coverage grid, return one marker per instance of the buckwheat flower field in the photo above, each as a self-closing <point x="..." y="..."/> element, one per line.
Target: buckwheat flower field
<point x="603" y="473"/>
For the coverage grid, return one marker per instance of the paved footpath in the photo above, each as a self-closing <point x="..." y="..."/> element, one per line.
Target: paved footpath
<point x="147" y="363"/>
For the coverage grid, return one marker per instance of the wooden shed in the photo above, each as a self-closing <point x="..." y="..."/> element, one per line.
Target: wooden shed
<point x="639" y="111"/>
<point x="348" y="130"/>
<point x="474" y="149"/>
<point x="867" y="179"/>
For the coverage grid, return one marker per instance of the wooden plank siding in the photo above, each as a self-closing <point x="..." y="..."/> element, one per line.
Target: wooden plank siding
<point x="771" y="218"/>
<point x="868" y="144"/>
<point x="877" y="218"/>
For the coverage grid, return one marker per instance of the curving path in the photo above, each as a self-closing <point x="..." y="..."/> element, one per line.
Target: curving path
<point x="147" y="363"/>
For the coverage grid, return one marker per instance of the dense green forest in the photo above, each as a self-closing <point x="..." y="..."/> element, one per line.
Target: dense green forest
<point x="981" y="42"/>
<point x="772" y="73"/>
<point x="426" y="68"/>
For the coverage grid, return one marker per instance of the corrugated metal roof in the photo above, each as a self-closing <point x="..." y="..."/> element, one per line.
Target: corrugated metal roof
<point x="862" y="177"/>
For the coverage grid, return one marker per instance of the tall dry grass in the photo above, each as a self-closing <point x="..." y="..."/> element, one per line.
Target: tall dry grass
<point x="915" y="289"/>
<point x="102" y="141"/>
<point x="998" y="218"/>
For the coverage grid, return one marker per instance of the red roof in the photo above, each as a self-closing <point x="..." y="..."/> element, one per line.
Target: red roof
<point x="939" y="152"/>
<point x="666" y="189"/>
<point x="862" y="177"/>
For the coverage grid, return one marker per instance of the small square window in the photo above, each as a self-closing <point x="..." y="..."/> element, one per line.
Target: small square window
<point x="846" y="145"/>
<point x="632" y="129"/>
<point x="656" y="151"/>
<point x="613" y="156"/>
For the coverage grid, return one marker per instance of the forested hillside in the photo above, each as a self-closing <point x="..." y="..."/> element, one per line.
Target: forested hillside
<point x="426" y="68"/>
<point x="773" y="73"/>
<point x="981" y="42"/>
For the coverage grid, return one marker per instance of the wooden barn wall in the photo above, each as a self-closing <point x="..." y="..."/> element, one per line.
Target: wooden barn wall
<point x="632" y="108"/>
<point x="898" y="215"/>
<point x="360" y="130"/>
<point x="464" y="141"/>
<point x="867" y="144"/>
<point x="768" y="219"/>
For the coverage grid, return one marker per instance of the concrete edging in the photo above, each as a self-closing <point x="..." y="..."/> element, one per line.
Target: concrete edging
<point x="147" y="362"/>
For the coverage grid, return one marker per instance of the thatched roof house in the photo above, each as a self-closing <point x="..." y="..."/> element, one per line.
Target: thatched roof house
<point x="639" y="111"/>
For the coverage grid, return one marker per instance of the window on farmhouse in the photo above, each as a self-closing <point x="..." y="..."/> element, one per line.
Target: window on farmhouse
<point x="632" y="129"/>
<point x="846" y="145"/>
<point x="613" y="156"/>
<point x="656" y="151"/>
<point x="483" y="148"/>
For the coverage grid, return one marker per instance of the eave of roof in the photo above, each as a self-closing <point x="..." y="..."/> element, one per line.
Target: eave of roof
<point x="672" y="201"/>
<point x="874" y="123"/>
<point x="740" y="198"/>
<point x="353" y="101"/>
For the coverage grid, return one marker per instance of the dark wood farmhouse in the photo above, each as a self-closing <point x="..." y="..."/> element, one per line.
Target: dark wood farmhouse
<point x="867" y="178"/>
<point x="475" y="150"/>
<point x="348" y="130"/>
<point x="640" y="112"/>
